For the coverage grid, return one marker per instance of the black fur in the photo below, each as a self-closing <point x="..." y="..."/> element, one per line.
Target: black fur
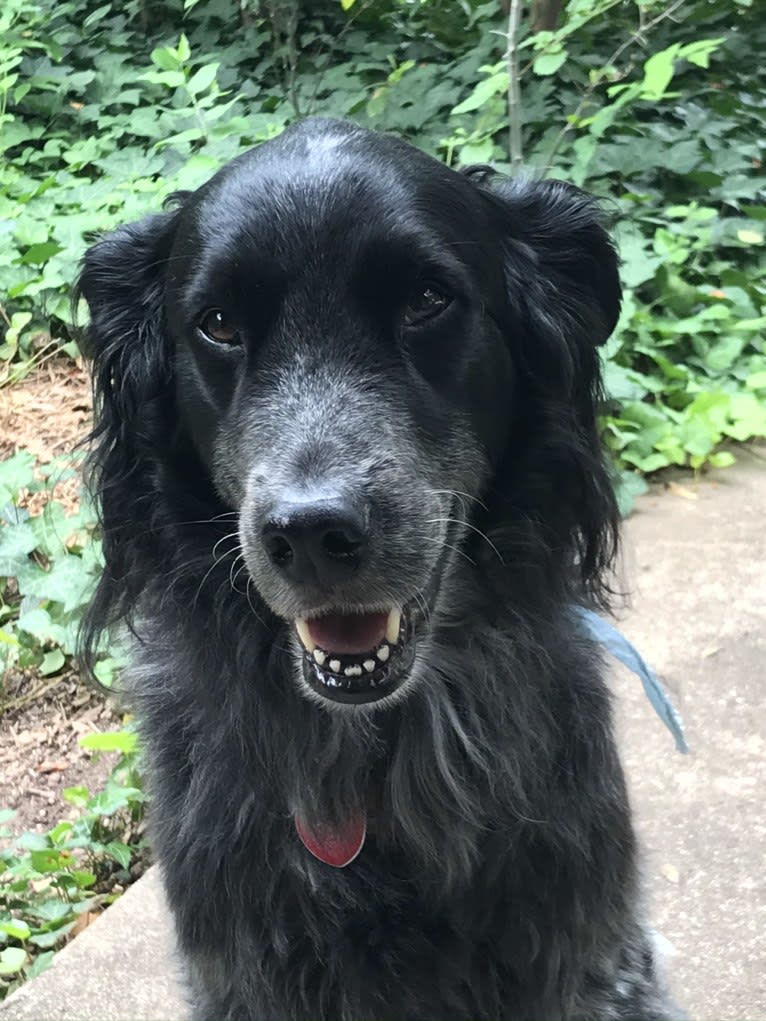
<point x="498" y="879"/>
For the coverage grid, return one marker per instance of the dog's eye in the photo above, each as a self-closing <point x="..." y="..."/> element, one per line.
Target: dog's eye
<point x="425" y="302"/>
<point x="217" y="327"/>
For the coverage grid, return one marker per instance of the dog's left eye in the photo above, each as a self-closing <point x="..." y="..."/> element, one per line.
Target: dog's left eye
<point x="216" y="326"/>
<point x="425" y="302"/>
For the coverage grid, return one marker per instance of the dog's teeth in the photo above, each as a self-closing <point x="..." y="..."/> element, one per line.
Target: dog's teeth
<point x="320" y="656"/>
<point x="352" y="671"/>
<point x="335" y="666"/>
<point x="369" y="665"/>
<point x="392" y="626"/>
<point x="308" y="643"/>
<point x="383" y="653"/>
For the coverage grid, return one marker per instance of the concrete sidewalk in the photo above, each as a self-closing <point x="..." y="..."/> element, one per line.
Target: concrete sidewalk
<point x="696" y="564"/>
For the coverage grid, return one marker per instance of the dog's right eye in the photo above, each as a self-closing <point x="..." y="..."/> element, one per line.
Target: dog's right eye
<point x="426" y="302"/>
<point x="216" y="326"/>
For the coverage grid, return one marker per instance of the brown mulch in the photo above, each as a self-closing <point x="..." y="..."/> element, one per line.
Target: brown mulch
<point x="41" y="719"/>
<point x="47" y="413"/>
<point x="39" y="750"/>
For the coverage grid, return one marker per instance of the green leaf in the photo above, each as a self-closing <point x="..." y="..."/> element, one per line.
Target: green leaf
<point x="16" y="543"/>
<point x="750" y="237"/>
<point x="756" y="381"/>
<point x="549" y="63"/>
<point x="165" y="57"/>
<point x="37" y="254"/>
<point x="652" y="462"/>
<point x="124" y="741"/>
<point x="78" y="796"/>
<point x="40" y="963"/>
<point x="488" y="87"/>
<point x="183" y="50"/>
<point x="629" y="486"/>
<point x="51" y="860"/>
<point x="699" y="52"/>
<point x="83" y="878"/>
<point x="56" y="935"/>
<point x="106" y="669"/>
<point x="201" y="80"/>
<point x="120" y="852"/>
<point x="37" y="623"/>
<point x="17" y="928"/>
<point x="52" y="662"/>
<point x="724" y="352"/>
<point x="171" y="79"/>
<point x="12" y="960"/>
<point x="114" y="798"/>
<point x="658" y="73"/>
<point x="58" y="833"/>
<point x="722" y="459"/>
<point x="64" y="582"/>
<point x="639" y="263"/>
<point x="15" y="473"/>
<point x="748" y="417"/>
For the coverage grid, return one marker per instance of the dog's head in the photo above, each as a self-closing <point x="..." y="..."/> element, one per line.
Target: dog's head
<point x="383" y="368"/>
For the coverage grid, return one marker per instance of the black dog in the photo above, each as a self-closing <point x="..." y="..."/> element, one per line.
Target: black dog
<point x="351" y="483"/>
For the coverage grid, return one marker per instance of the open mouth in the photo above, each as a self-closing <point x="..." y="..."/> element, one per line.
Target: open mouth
<point x="356" y="657"/>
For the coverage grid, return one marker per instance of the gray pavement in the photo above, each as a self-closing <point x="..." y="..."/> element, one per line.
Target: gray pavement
<point x="695" y="556"/>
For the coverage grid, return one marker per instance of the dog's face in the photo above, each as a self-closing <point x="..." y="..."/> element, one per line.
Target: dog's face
<point x="352" y="336"/>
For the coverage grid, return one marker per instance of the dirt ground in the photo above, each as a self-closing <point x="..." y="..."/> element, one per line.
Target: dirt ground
<point x="41" y="719"/>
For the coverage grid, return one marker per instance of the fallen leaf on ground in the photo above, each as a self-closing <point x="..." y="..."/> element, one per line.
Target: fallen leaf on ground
<point x="670" y="872"/>
<point x="678" y="490"/>
<point x="84" y="921"/>
<point x="52" y="767"/>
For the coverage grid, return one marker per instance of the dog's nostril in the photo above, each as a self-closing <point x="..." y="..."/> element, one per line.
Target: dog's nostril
<point x="280" y="551"/>
<point x="340" y="545"/>
<point x="318" y="541"/>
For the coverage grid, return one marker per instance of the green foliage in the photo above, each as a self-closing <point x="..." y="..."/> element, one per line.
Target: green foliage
<point x="48" y="881"/>
<point x="673" y="139"/>
<point x="105" y="109"/>
<point x="48" y="566"/>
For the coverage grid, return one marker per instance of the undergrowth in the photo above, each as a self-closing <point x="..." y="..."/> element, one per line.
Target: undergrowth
<point x="53" y="884"/>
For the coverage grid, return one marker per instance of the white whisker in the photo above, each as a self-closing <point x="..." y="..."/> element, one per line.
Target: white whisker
<point x="467" y="524"/>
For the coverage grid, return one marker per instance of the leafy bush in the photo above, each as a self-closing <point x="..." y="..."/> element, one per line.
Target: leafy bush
<point x="106" y="108"/>
<point x="50" y="883"/>
<point x="49" y="564"/>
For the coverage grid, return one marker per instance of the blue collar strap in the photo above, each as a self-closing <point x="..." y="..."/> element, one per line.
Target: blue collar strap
<point x="619" y="646"/>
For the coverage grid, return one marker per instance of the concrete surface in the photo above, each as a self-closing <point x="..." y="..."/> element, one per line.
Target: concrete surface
<point x="696" y="565"/>
<point x="121" y="968"/>
<point x="697" y="569"/>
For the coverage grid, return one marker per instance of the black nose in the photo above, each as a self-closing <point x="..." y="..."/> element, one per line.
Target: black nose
<point x="320" y="541"/>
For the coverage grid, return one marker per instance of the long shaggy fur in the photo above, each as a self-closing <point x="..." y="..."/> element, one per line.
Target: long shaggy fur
<point x="499" y="875"/>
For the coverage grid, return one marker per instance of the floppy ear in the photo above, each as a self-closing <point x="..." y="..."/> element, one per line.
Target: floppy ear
<point x="563" y="286"/>
<point x="563" y="301"/>
<point x="123" y="282"/>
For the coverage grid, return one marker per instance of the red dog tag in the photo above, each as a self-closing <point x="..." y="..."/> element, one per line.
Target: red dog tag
<point x="336" y="847"/>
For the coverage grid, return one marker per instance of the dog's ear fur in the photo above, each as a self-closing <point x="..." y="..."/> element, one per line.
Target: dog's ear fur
<point x="123" y="283"/>
<point x="563" y="283"/>
<point x="563" y="301"/>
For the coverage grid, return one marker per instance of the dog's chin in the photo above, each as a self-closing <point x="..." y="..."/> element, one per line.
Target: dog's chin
<point x="360" y="658"/>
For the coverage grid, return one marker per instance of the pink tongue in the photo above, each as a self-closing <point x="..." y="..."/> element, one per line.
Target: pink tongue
<point x="336" y="847"/>
<point x="349" y="633"/>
